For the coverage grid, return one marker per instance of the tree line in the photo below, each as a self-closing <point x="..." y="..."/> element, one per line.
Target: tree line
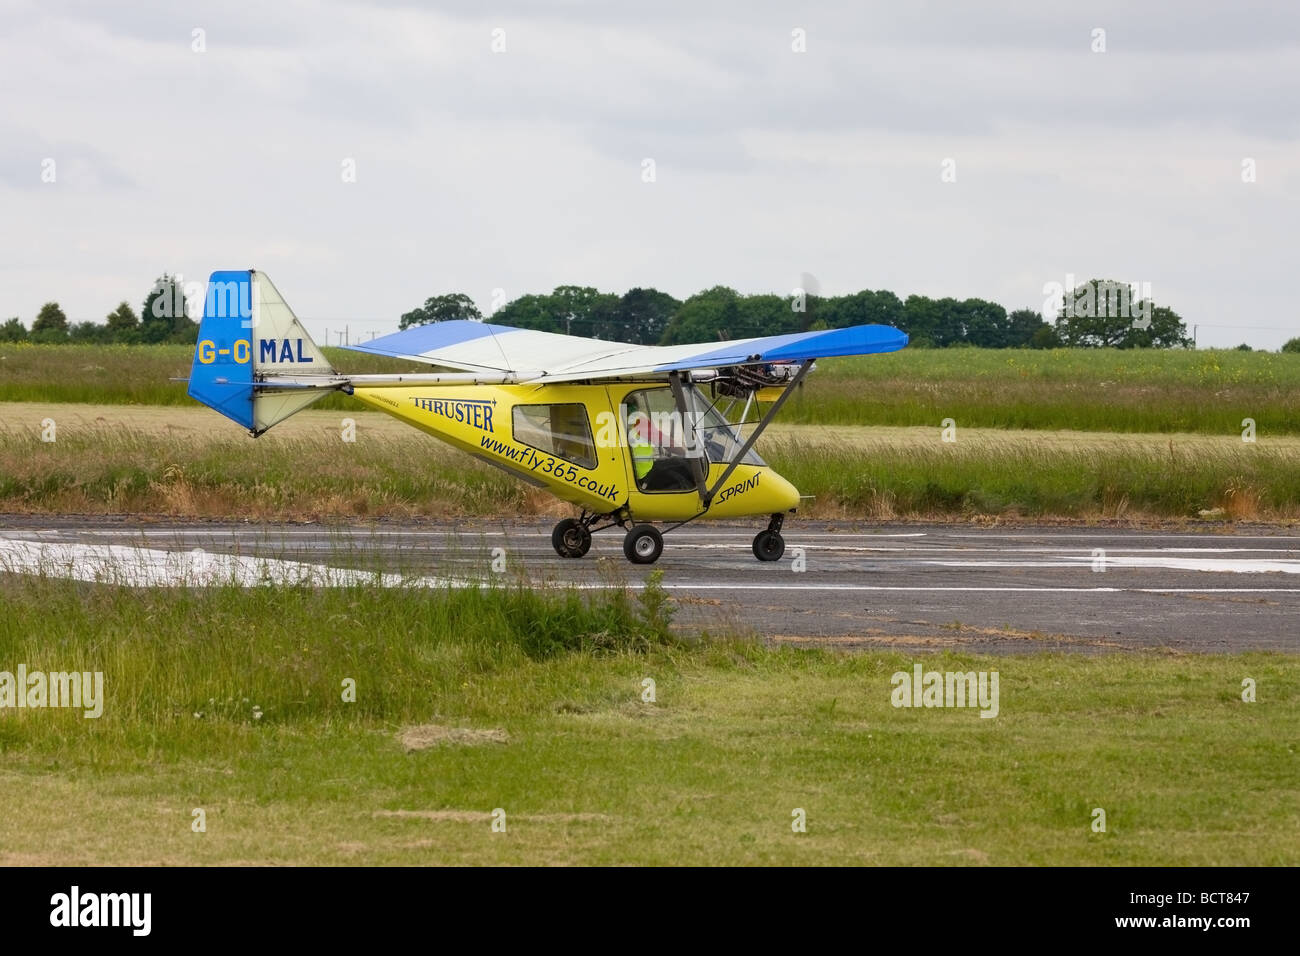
<point x="163" y="317"/>
<point x="1096" y="314"/>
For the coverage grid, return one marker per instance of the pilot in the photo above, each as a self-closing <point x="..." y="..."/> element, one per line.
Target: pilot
<point x="656" y="470"/>
<point x="643" y="453"/>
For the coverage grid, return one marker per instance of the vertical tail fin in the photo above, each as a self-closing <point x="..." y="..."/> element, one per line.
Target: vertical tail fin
<point x="247" y="334"/>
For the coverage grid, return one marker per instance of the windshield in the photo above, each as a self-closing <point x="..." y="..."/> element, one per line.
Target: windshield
<point x="721" y="439"/>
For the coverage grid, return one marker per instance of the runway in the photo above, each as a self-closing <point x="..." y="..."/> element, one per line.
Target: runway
<point x="842" y="585"/>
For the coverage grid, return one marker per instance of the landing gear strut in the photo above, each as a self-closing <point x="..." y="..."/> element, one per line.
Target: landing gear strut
<point x="769" y="545"/>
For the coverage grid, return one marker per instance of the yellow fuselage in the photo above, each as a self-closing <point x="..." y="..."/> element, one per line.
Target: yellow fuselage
<point x="481" y="420"/>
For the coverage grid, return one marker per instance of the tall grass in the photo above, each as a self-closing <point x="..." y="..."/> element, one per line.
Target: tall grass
<point x="178" y="659"/>
<point x="112" y="469"/>
<point x="118" y="469"/>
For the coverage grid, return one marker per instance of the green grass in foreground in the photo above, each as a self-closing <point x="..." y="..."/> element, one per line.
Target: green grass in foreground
<point x="115" y="468"/>
<point x="1132" y="390"/>
<point x="532" y="704"/>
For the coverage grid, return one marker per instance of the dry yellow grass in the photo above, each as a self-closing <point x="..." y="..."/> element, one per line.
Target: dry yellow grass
<point x="190" y="462"/>
<point x="204" y="426"/>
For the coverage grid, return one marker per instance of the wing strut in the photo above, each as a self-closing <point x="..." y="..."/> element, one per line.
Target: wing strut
<point x="766" y="420"/>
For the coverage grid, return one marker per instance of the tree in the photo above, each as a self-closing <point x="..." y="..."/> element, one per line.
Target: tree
<point x="51" y="324"/>
<point x="861" y="308"/>
<point x="442" y="308"/>
<point x="938" y="321"/>
<point x="1104" y="313"/>
<point x="1166" y="331"/>
<point x="527" y="312"/>
<point x="645" y="315"/>
<point x="1024" y="326"/>
<point x="51" y="317"/>
<point x="1291" y="345"/>
<point x="574" y="308"/>
<point x="983" y="323"/>
<point x="13" y="331"/>
<point x="640" y="316"/>
<point x="1045" y="337"/>
<point x="123" y="325"/>
<point x="568" y="310"/>
<point x="1097" y="314"/>
<point x="758" y="315"/>
<point x="88" y="333"/>
<point x="704" y="317"/>
<point x="165" y="314"/>
<point x="604" y="319"/>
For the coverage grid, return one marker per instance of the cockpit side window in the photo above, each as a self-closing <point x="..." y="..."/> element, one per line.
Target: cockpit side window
<point x="559" y="430"/>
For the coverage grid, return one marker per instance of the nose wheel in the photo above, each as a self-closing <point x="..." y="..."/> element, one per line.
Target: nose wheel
<point x="768" y="544"/>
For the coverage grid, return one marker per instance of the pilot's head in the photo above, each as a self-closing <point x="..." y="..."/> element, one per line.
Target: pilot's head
<point x="637" y="420"/>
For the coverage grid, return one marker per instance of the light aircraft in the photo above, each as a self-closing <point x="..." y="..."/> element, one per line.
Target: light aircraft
<point x="627" y="434"/>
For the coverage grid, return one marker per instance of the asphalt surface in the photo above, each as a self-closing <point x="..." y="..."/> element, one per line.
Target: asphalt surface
<point x="914" y="586"/>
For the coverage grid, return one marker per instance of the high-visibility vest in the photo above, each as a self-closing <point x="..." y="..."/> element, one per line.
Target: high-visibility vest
<point x="643" y="454"/>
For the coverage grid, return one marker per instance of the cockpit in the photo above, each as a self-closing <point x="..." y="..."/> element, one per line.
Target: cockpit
<point x="666" y="444"/>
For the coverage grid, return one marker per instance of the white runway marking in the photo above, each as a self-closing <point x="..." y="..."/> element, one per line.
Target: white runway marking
<point x="151" y="567"/>
<point x="482" y="532"/>
<point x="148" y="567"/>
<point x="939" y="588"/>
<point x="1197" y="536"/>
<point x="1112" y="561"/>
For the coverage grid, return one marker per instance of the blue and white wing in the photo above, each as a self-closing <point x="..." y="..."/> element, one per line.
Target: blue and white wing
<point x="530" y="356"/>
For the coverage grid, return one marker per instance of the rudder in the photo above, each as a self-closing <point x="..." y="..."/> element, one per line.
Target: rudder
<point x="248" y="334"/>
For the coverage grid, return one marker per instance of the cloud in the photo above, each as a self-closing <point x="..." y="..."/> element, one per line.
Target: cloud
<point x="522" y="170"/>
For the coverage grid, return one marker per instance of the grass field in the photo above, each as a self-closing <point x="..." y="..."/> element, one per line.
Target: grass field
<point x="134" y="374"/>
<point x="1129" y="390"/>
<point x="466" y="702"/>
<point x="190" y="462"/>
<point x="530" y="700"/>
<point x="1207" y="391"/>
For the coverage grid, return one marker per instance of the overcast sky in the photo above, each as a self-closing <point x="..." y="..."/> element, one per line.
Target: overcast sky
<point x="520" y="170"/>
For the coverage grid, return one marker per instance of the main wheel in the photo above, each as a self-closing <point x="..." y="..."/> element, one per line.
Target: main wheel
<point x="643" y="544"/>
<point x="571" y="539"/>
<point x="769" y="546"/>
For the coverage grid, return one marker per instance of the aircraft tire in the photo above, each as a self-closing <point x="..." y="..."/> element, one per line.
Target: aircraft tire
<point x="769" y="546"/>
<point x="643" y="544"/>
<point x="571" y="539"/>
